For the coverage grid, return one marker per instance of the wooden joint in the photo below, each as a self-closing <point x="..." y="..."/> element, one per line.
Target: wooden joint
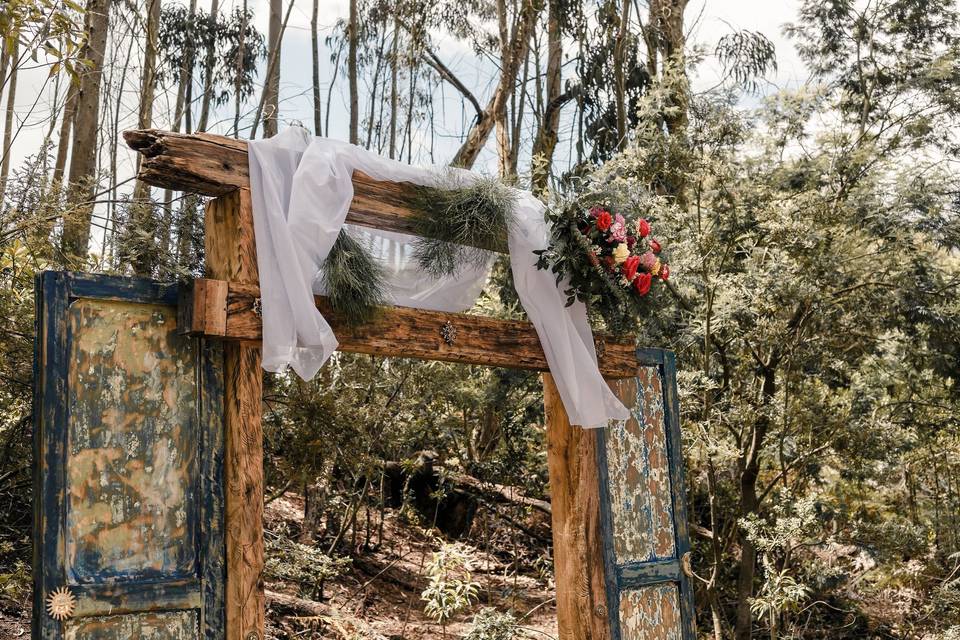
<point x="202" y="308"/>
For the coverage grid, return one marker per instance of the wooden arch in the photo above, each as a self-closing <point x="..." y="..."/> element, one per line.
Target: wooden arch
<point x="619" y="569"/>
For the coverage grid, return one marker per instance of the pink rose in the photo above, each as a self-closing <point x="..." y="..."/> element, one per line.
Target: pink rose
<point x="648" y="261"/>
<point x="654" y="245"/>
<point x="665" y="272"/>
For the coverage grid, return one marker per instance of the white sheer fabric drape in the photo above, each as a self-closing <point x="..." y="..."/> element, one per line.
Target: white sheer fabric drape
<point x="302" y="188"/>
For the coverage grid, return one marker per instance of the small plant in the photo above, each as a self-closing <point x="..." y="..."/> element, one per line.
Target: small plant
<point x="490" y="624"/>
<point x="305" y="565"/>
<point x="451" y="589"/>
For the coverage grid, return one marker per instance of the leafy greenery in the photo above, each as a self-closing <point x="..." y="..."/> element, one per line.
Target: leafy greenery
<point x="458" y="223"/>
<point x="353" y="280"/>
<point x="451" y="588"/>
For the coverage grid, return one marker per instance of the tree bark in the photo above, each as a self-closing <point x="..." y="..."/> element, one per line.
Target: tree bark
<point x="8" y="116"/>
<point x="749" y="505"/>
<point x="83" y="154"/>
<point x="352" y="39"/>
<point x="272" y="88"/>
<point x="315" y="49"/>
<point x="480" y="131"/>
<point x="546" y="140"/>
<point x="141" y="209"/>
<point x="208" y="69"/>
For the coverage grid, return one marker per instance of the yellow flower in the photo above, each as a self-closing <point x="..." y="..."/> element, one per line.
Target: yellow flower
<point x="621" y="253"/>
<point x="656" y="267"/>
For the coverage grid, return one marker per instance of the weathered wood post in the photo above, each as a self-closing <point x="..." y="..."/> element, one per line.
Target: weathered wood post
<point x="577" y="536"/>
<point x="231" y="256"/>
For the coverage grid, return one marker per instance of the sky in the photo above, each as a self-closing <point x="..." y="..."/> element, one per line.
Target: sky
<point x="707" y="20"/>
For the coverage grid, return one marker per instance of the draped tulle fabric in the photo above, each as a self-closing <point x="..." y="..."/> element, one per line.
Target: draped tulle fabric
<point x="302" y="188"/>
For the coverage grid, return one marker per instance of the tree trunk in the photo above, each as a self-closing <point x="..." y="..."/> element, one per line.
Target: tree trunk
<point x="480" y="132"/>
<point x="8" y="116"/>
<point x="749" y="505"/>
<point x="83" y="154"/>
<point x="63" y="144"/>
<point x="352" y="38"/>
<point x="394" y="94"/>
<point x="208" y="68"/>
<point x="272" y="89"/>
<point x="546" y="139"/>
<point x="619" y="79"/>
<point x="239" y="62"/>
<point x="315" y="48"/>
<point x="144" y="260"/>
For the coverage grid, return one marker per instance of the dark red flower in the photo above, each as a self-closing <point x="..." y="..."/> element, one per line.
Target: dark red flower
<point x="654" y="245"/>
<point x="643" y="228"/>
<point x="642" y="283"/>
<point x="604" y="220"/>
<point x="610" y="263"/>
<point x="629" y="267"/>
<point x="664" y="272"/>
<point x="631" y="240"/>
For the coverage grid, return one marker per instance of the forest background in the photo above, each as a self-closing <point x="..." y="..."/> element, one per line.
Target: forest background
<point x="799" y="160"/>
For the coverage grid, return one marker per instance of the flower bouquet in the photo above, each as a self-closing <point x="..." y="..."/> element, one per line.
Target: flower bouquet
<point x="609" y="259"/>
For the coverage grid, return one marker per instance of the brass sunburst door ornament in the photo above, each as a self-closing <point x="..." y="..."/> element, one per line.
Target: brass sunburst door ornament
<point x="61" y="604"/>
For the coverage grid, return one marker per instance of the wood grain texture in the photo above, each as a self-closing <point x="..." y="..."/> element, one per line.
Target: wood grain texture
<point x="231" y="255"/>
<point x="397" y="332"/>
<point x="578" y="545"/>
<point x="214" y="166"/>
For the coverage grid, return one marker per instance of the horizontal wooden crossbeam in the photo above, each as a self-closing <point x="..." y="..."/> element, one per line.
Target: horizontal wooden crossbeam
<point x="229" y="311"/>
<point x="215" y="165"/>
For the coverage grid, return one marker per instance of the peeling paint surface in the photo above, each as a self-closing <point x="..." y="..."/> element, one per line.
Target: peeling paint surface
<point x="639" y="476"/>
<point x="650" y="613"/>
<point x="176" y="625"/>
<point x="132" y="446"/>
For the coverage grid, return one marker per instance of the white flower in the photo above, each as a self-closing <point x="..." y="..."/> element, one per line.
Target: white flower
<point x="621" y="253"/>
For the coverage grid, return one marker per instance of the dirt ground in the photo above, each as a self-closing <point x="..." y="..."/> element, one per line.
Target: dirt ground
<point x="379" y="595"/>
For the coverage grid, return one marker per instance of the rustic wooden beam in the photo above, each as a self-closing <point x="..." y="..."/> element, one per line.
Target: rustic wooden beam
<point x="231" y="255"/>
<point x="578" y="550"/>
<point x="215" y="165"/>
<point x="224" y="310"/>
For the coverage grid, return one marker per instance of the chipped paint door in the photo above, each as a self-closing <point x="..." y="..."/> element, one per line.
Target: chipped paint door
<point x="643" y="508"/>
<point x="128" y="458"/>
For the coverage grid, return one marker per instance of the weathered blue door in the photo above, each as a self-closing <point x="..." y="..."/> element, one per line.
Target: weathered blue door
<point x="643" y="508"/>
<point x="128" y="458"/>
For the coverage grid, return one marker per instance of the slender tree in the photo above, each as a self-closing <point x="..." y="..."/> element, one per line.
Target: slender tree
<point x="83" y="154"/>
<point x="353" y="38"/>
<point x="315" y="50"/>
<point x="272" y="87"/>
<point x="208" y="63"/>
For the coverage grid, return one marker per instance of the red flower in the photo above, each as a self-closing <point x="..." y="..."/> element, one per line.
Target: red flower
<point x="631" y="240"/>
<point x="642" y="283"/>
<point x="629" y="267"/>
<point x="654" y="245"/>
<point x="604" y="220"/>
<point x="664" y="272"/>
<point x="643" y="228"/>
<point x="610" y="263"/>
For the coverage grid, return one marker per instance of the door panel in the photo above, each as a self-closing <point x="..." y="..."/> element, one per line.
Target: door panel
<point x="129" y="452"/>
<point x="643" y="507"/>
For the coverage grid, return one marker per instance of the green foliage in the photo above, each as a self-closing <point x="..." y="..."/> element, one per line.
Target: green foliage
<point x="353" y="280"/>
<point x="459" y="222"/>
<point x="490" y="624"/>
<point x="301" y="564"/>
<point x="451" y="588"/>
